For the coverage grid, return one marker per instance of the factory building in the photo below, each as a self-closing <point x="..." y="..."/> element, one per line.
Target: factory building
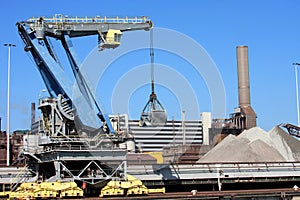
<point x="173" y="133"/>
<point x="16" y="146"/>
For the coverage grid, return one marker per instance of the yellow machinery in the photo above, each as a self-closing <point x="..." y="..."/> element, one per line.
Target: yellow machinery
<point x="24" y="191"/>
<point x="58" y="189"/>
<point x="113" y="38"/>
<point x="131" y="186"/>
<point x="45" y="190"/>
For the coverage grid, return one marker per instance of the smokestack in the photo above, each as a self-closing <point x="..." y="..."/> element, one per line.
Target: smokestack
<point x="243" y="76"/>
<point x="32" y="113"/>
<point x="244" y="87"/>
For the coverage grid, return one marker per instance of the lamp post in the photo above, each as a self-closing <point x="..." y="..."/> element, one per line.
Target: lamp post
<point x="297" y="92"/>
<point x="8" y="105"/>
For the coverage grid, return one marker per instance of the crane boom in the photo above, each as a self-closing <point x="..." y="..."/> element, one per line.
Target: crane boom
<point x="36" y="33"/>
<point x="77" y="27"/>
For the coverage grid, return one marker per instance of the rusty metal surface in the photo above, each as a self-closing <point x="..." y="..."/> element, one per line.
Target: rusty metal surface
<point x="16" y="142"/>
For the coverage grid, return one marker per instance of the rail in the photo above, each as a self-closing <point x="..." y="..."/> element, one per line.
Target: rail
<point x="59" y="18"/>
<point x="18" y="179"/>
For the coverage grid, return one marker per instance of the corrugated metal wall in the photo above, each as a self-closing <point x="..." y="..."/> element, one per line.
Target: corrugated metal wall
<point x="172" y="133"/>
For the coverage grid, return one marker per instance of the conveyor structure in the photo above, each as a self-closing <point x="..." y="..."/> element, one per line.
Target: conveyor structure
<point x="292" y="129"/>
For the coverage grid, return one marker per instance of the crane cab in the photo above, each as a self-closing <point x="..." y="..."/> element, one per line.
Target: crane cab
<point x="112" y="39"/>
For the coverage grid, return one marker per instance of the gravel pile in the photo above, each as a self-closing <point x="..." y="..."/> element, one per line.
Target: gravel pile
<point x="256" y="145"/>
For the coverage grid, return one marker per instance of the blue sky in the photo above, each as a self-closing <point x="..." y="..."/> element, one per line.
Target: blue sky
<point x="269" y="28"/>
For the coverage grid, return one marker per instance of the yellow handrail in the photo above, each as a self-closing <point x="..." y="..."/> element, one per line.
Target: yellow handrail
<point x="17" y="176"/>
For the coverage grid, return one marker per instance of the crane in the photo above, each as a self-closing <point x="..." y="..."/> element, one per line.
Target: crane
<point x="60" y="114"/>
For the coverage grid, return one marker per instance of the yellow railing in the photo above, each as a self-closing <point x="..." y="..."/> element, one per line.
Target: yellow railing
<point x="17" y="179"/>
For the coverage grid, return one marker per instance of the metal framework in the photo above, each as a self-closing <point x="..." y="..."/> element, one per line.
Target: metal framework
<point x="92" y="173"/>
<point x="292" y="129"/>
<point x="75" y="126"/>
<point x="35" y="33"/>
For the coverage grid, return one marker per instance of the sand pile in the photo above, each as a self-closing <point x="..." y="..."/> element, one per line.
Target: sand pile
<point x="255" y="145"/>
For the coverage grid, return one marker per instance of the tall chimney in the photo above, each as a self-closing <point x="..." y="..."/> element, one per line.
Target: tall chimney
<point x="32" y="113"/>
<point x="247" y="112"/>
<point x="243" y="76"/>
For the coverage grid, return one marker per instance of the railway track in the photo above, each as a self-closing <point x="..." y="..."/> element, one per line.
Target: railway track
<point x="278" y="193"/>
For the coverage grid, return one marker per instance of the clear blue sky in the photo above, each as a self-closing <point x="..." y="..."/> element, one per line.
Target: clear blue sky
<point x="270" y="28"/>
